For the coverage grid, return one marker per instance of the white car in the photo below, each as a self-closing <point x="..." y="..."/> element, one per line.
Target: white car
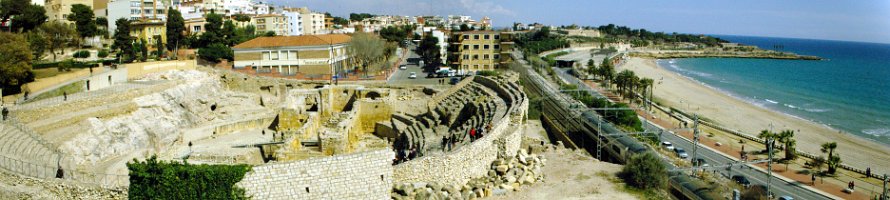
<point x="668" y="145"/>
<point x="403" y="67"/>
<point x="413" y="75"/>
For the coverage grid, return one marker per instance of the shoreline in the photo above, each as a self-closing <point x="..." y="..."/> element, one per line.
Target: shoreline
<point x="763" y="106"/>
<point x="723" y="108"/>
<point x="705" y="54"/>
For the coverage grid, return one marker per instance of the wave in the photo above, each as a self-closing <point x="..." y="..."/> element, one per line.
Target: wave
<point x="790" y="106"/>
<point x="816" y="110"/>
<point x="878" y="132"/>
<point x="771" y="101"/>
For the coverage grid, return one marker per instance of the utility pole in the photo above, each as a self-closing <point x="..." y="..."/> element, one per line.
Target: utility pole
<point x="769" y="165"/>
<point x="694" y="141"/>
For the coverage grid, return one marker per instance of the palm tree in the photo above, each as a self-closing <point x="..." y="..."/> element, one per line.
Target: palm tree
<point x="786" y="137"/>
<point x="646" y="84"/>
<point x="591" y="68"/>
<point x="833" y="160"/>
<point x="768" y="136"/>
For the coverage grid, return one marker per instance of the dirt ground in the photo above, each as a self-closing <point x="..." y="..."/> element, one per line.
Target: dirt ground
<point x="17" y="187"/>
<point x="570" y="174"/>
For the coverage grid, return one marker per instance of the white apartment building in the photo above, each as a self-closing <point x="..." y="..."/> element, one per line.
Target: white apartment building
<point x="136" y="10"/>
<point x="295" y="23"/>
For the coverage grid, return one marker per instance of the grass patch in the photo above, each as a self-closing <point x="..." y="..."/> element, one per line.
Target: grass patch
<point x="72" y="88"/>
<point x="46" y="73"/>
<point x="581" y="177"/>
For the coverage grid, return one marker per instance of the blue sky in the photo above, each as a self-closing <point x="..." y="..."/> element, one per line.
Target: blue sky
<point x="856" y="20"/>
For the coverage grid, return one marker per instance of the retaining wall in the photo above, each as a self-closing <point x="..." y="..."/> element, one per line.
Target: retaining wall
<point x="365" y="175"/>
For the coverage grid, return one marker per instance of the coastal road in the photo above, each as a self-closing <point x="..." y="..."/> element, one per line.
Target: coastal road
<point x="779" y="186"/>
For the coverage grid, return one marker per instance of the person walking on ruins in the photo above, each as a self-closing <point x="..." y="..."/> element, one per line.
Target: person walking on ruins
<point x="445" y="142"/>
<point x="472" y="134"/>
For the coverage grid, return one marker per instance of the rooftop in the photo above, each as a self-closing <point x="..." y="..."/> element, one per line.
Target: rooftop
<point x="286" y="41"/>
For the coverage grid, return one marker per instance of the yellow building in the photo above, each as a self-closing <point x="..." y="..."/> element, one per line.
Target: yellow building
<point x="481" y="50"/>
<point x="58" y="10"/>
<point x="149" y="30"/>
<point x="306" y="55"/>
<point x="270" y="22"/>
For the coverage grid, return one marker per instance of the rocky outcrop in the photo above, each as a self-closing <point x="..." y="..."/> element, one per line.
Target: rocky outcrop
<point x="504" y="175"/>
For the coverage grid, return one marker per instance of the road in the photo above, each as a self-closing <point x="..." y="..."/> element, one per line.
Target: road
<point x="779" y="186"/>
<point x="401" y="76"/>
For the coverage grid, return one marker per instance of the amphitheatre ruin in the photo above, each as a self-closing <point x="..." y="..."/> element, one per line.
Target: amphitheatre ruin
<point x="304" y="140"/>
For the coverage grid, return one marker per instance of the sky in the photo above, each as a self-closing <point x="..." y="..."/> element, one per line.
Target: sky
<point x="856" y="20"/>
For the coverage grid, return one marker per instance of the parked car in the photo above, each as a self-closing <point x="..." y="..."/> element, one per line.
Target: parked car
<point x="403" y="67"/>
<point x="681" y="152"/>
<point x="413" y="75"/>
<point x="668" y="145"/>
<point x="786" y="198"/>
<point x="741" y="180"/>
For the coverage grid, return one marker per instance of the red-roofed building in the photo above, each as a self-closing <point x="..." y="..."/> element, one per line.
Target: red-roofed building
<point x="312" y="56"/>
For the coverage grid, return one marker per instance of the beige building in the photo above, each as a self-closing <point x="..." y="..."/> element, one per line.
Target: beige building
<point x="481" y="50"/>
<point x="306" y="55"/>
<point x="270" y="22"/>
<point x="58" y="10"/>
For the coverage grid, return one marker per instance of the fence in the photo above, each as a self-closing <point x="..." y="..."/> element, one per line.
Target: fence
<point x="90" y="95"/>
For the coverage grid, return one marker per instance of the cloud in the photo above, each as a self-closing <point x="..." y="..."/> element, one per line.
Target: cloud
<point x="486" y="7"/>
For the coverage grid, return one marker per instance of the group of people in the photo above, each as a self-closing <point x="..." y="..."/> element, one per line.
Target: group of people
<point x="405" y="155"/>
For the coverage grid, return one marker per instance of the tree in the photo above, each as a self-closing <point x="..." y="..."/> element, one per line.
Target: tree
<point x="647" y="84"/>
<point x="228" y="33"/>
<point x="394" y="34"/>
<point x="591" y="67"/>
<point x="58" y="35"/>
<point x="212" y="31"/>
<point x="175" y="29"/>
<point x="142" y="47"/>
<point x="269" y="34"/>
<point x="366" y="48"/>
<point x="30" y="18"/>
<point x="240" y="17"/>
<point x="216" y="52"/>
<point x="359" y="16"/>
<point x="15" y="62"/>
<point x="786" y="137"/>
<point x="123" y="41"/>
<point x="82" y="16"/>
<point x="159" y="46"/>
<point x="157" y="179"/>
<point x="10" y="8"/>
<point x="429" y="51"/>
<point x="38" y="41"/>
<point x="833" y="160"/>
<point x="81" y="54"/>
<point x="644" y="171"/>
<point x="768" y="136"/>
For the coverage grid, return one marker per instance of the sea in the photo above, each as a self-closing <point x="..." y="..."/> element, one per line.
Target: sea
<point x="849" y="90"/>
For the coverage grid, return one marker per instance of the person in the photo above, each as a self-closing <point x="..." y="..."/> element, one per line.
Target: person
<point x="814" y="178"/>
<point x="868" y="172"/>
<point x="472" y="134"/>
<point x="412" y="153"/>
<point x="444" y="142"/>
<point x="65" y="96"/>
<point x="852" y="185"/>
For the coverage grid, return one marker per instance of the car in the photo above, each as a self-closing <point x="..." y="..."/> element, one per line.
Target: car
<point x="413" y="75"/>
<point x="786" y="198"/>
<point x="741" y="180"/>
<point x="403" y="67"/>
<point x="681" y="152"/>
<point x="668" y="145"/>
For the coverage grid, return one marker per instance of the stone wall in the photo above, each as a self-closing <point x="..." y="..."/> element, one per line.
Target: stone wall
<point x="439" y="97"/>
<point x="260" y="122"/>
<point x="365" y="175"/>
<point x="139" y="70"/>
<point x="470" y="161"/>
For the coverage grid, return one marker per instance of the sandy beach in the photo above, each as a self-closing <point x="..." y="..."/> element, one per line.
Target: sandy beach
<point x="691" y="96"/>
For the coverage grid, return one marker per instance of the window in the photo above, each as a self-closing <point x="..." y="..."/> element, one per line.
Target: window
<point x="197" y="28"/>
<point x="265" y="56"/>
<point x="497" y="37"/>
<point x="476" y="46"/>
<point x="475" y="57"/>
<point x="485" y="57"/>
<point x="487" y="36"/>
<point x="497" y="46"/>
<point x="485" y="67"/>
<point x="466" y="46"/>
<point x="475" y="66"/>
<point x="496" y="56"/>
<point x="475" y="37"/>
<point x="466" y="37"/>
<point x="485" y="46"/>
<point x="466" y="56"/>
<point x="274" y="55"/>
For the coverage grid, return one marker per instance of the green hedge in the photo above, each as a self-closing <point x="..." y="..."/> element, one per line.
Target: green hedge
<point x="75" y="64"/>
<point x="153" y="179"/>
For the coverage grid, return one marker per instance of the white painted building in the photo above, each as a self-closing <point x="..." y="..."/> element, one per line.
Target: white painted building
<point x="295" y="22"/>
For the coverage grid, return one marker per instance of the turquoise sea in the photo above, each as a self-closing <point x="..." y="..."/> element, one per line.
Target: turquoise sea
<point x="849" y="91"/>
